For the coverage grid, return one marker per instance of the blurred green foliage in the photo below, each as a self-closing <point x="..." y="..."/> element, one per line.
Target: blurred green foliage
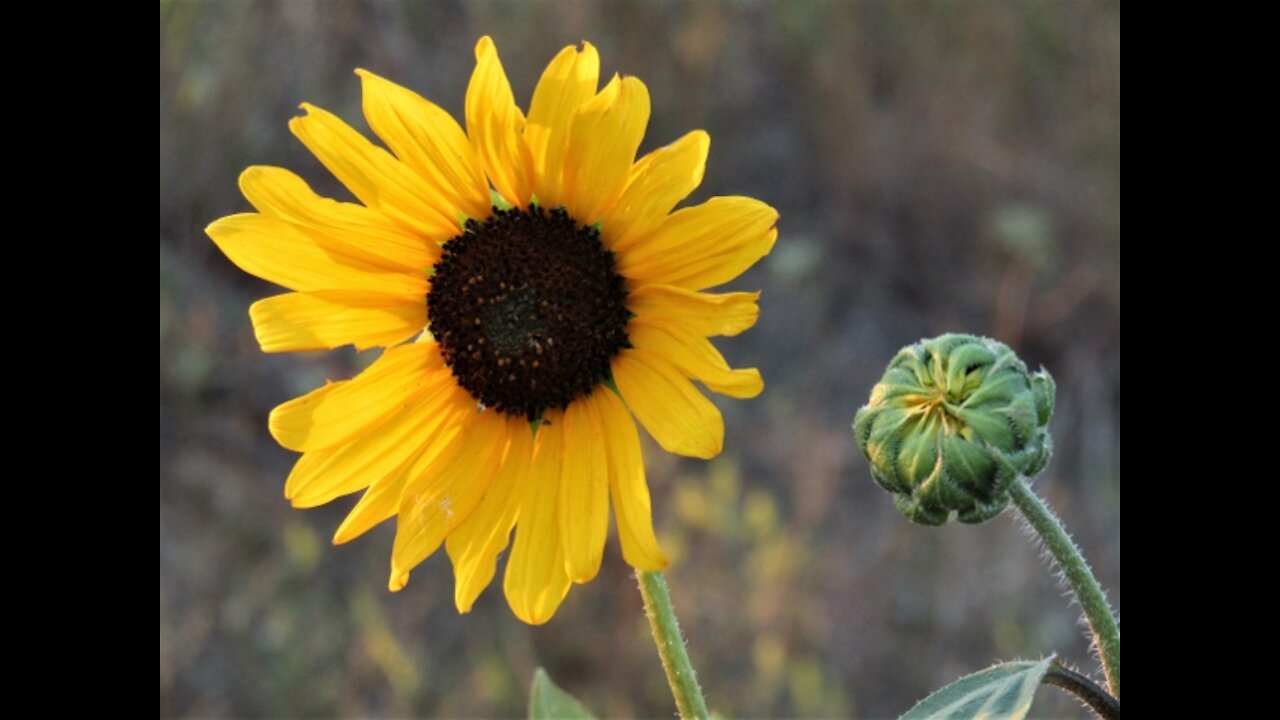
<point x="938" y="166"/>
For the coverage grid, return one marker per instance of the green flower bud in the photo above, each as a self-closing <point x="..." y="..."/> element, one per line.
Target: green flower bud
<point x="954" y="421"/>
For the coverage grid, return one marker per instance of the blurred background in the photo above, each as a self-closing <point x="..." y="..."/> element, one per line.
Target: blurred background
<point x="938" y="166"/>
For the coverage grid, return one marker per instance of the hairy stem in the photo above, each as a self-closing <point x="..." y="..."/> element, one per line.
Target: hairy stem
<point x="666" y="634"/>
<point x="1106" y="631"/>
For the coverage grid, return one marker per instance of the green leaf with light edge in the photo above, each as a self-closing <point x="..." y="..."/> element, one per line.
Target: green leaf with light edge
<point x="547" y="701"/>
<point x="1002" y="692"/>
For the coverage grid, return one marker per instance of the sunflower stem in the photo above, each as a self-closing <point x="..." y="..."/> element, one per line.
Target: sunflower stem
<point x="666" y="635"/>
<point x="1085" y="690"/>
<point x="1106" y="631"/>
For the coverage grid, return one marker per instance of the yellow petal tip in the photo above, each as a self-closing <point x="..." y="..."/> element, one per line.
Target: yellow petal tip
<point x="250" y="173"/>
<point x="397" y="581"/>
<point x="529" y="619"/>
<point x="651" y="564"/>
<point x="584" y="577"/>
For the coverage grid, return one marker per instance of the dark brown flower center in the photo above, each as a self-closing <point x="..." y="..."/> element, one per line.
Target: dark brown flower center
<point x="528" y="310"/>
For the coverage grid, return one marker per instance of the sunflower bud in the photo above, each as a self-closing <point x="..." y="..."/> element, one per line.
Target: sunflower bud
<point x="952" y="424"/>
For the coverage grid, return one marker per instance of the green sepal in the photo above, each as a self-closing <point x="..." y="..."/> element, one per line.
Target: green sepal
<point x="498" y="201"/>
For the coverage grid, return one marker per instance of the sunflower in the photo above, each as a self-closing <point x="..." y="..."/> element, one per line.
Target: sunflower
<point x="533" y="291"/>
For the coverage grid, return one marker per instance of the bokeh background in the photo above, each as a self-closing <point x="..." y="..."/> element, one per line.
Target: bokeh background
<point x="938" y="166"/>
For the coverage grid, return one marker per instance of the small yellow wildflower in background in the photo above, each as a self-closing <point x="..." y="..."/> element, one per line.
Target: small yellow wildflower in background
<point x="552" y="316"/>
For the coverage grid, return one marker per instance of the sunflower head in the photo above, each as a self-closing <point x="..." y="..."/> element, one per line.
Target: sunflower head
<point x="952" y="423"/>
<point x="533" y="290"/>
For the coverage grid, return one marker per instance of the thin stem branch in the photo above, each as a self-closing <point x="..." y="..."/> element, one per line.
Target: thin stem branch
<point x="666" y="634"/>
<point x="1106" y="631"/>
<point x="1098" y="700"/>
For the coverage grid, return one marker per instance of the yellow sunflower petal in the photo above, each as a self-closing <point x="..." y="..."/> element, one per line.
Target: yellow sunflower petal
<point x="332" y="318"/>
<point x="475" y="545"/>
<point x="495" y="126"/>
<point x="372" y="174"/>
<point x="658" y="181"/>
<point x="446" y="492"/>
<point x="382" y="500"/>
<point x="603" y="138"/>
<point x="627" y="485"/>
<point x="703" y="246"/>
<point x="429" y="140"/>
<point x="336" y="412"/>
<point x="675" y="413"/>
<point x="322" y="475"/>
<point x="704" y="313"/>
<point x="569" y="81"/>
<point x="535" y="583"/>
<point x="378" y="504"/>
<point x="278" y="252"/>
<point x="695" y="356"/>
<point x="362" y="232"/>
<point x="584" y="491"/>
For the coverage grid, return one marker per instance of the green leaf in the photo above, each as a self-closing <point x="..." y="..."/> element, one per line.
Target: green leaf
<point x="548" y="701"/>
<point x="1002" y="692"/>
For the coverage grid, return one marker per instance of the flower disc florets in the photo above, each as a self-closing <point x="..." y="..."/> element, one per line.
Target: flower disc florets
<point x="528" y="310"/>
